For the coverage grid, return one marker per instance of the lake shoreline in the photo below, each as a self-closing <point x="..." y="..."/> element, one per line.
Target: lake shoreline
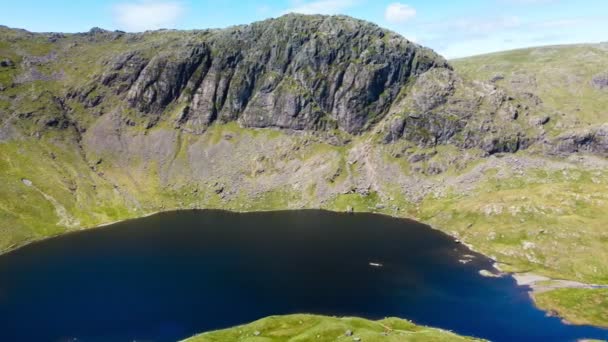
<point x="523" y="279"/>
<point x="339" y="248"/>
<point x="539" y="284"/>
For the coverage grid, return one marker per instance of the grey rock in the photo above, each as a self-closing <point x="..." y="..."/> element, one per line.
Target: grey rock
<point x="5" y="63"/>
<point x="395" y="129"/>
<point x="295" y="72"/>
<point x="164" y="77"/>
<point x="54" y="37"/>
<point x="433" y="89"/>
<point x="591" y="140"/>
<point x="496" y="78"/>
<point x="123" y="71"/>
<point x="493" y="144"/>
<point x="418" y="157"/>
<point x="600" y="81"/>
<point x="218" y="188"/>
<point x="540" y="120"/>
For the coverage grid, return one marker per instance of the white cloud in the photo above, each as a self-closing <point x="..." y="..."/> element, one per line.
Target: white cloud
<point x="563" y="23"/>
<point x="483" y="26"/>
<point x="528" y="2"/>
<point x="147" y="14"/>
<point x="263" y="9"/>
<point x="320" y="6"/>
<point x="398" y="13"/>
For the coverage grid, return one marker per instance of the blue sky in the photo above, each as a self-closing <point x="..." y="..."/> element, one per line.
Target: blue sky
<point x="453" y="28"/>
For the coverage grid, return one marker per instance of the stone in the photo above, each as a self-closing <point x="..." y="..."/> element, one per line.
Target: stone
<point x="600" y="81"/>
<point x="540" y="120"/>
<point x="5" y="63"/>
<point x="395" y="129"/>
<point x="496" y="78"/>
<point x="241" y="73"/>
<point x="348" y="333"/>
<point x="218" y="188"/>
<point x="592" y="140"/>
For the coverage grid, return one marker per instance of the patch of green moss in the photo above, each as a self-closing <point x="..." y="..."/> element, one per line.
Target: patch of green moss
<point x="579" y="306"/>
<point x="305" y="328"/>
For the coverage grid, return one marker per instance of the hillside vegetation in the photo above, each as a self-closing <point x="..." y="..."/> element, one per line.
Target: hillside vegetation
<point x="306" y="328"/>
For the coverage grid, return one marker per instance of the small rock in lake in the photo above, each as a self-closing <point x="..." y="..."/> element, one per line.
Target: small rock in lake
<point x="488" y="274"/>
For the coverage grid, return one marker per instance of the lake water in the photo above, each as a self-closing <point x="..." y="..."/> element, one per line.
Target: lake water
<point x="172" y="275"/>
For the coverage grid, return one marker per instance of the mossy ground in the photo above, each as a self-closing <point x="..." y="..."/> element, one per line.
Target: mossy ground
<point x="578" y="306"/>
<point x="304" y="328"/>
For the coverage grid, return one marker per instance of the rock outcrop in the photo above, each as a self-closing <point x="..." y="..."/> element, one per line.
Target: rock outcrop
<point x="600" y="81"/>
<point x="296" y="72"/>
<point x="590" y="140"/>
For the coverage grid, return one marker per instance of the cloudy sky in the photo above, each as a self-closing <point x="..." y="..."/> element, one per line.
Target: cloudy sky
<point x="454" y="28"/>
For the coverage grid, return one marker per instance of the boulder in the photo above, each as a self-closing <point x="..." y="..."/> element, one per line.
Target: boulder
<point x="5" y="63"/>
<point x="600" y="81"/>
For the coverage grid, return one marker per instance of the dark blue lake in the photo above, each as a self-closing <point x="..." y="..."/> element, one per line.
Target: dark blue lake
<point x="172" y="275"/>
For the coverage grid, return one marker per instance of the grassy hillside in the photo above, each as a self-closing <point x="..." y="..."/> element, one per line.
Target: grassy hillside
<point x="579" y="306"/>
<point x="569" y="84"/>
<point x="305" y="328"/>
<point x="565" y="78"/>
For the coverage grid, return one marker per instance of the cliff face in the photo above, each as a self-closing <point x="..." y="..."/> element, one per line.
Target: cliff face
<point x="295" y="72"/>
<point x="313" y="73"/>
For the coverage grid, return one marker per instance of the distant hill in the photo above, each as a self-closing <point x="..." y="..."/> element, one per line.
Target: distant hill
<point x="570" y="81"/>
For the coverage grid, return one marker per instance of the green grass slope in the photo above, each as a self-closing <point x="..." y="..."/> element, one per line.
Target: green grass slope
<point x="579" y="306"/>
<point x="561" y="76"/>
<point x="304" y="328"/>
<point x="564" y="216"/>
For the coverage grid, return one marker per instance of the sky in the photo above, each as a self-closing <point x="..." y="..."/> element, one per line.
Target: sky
<point x="456" y="28"/>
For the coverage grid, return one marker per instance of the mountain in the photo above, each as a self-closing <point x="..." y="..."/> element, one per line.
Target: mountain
<point x="507" y="152"/>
